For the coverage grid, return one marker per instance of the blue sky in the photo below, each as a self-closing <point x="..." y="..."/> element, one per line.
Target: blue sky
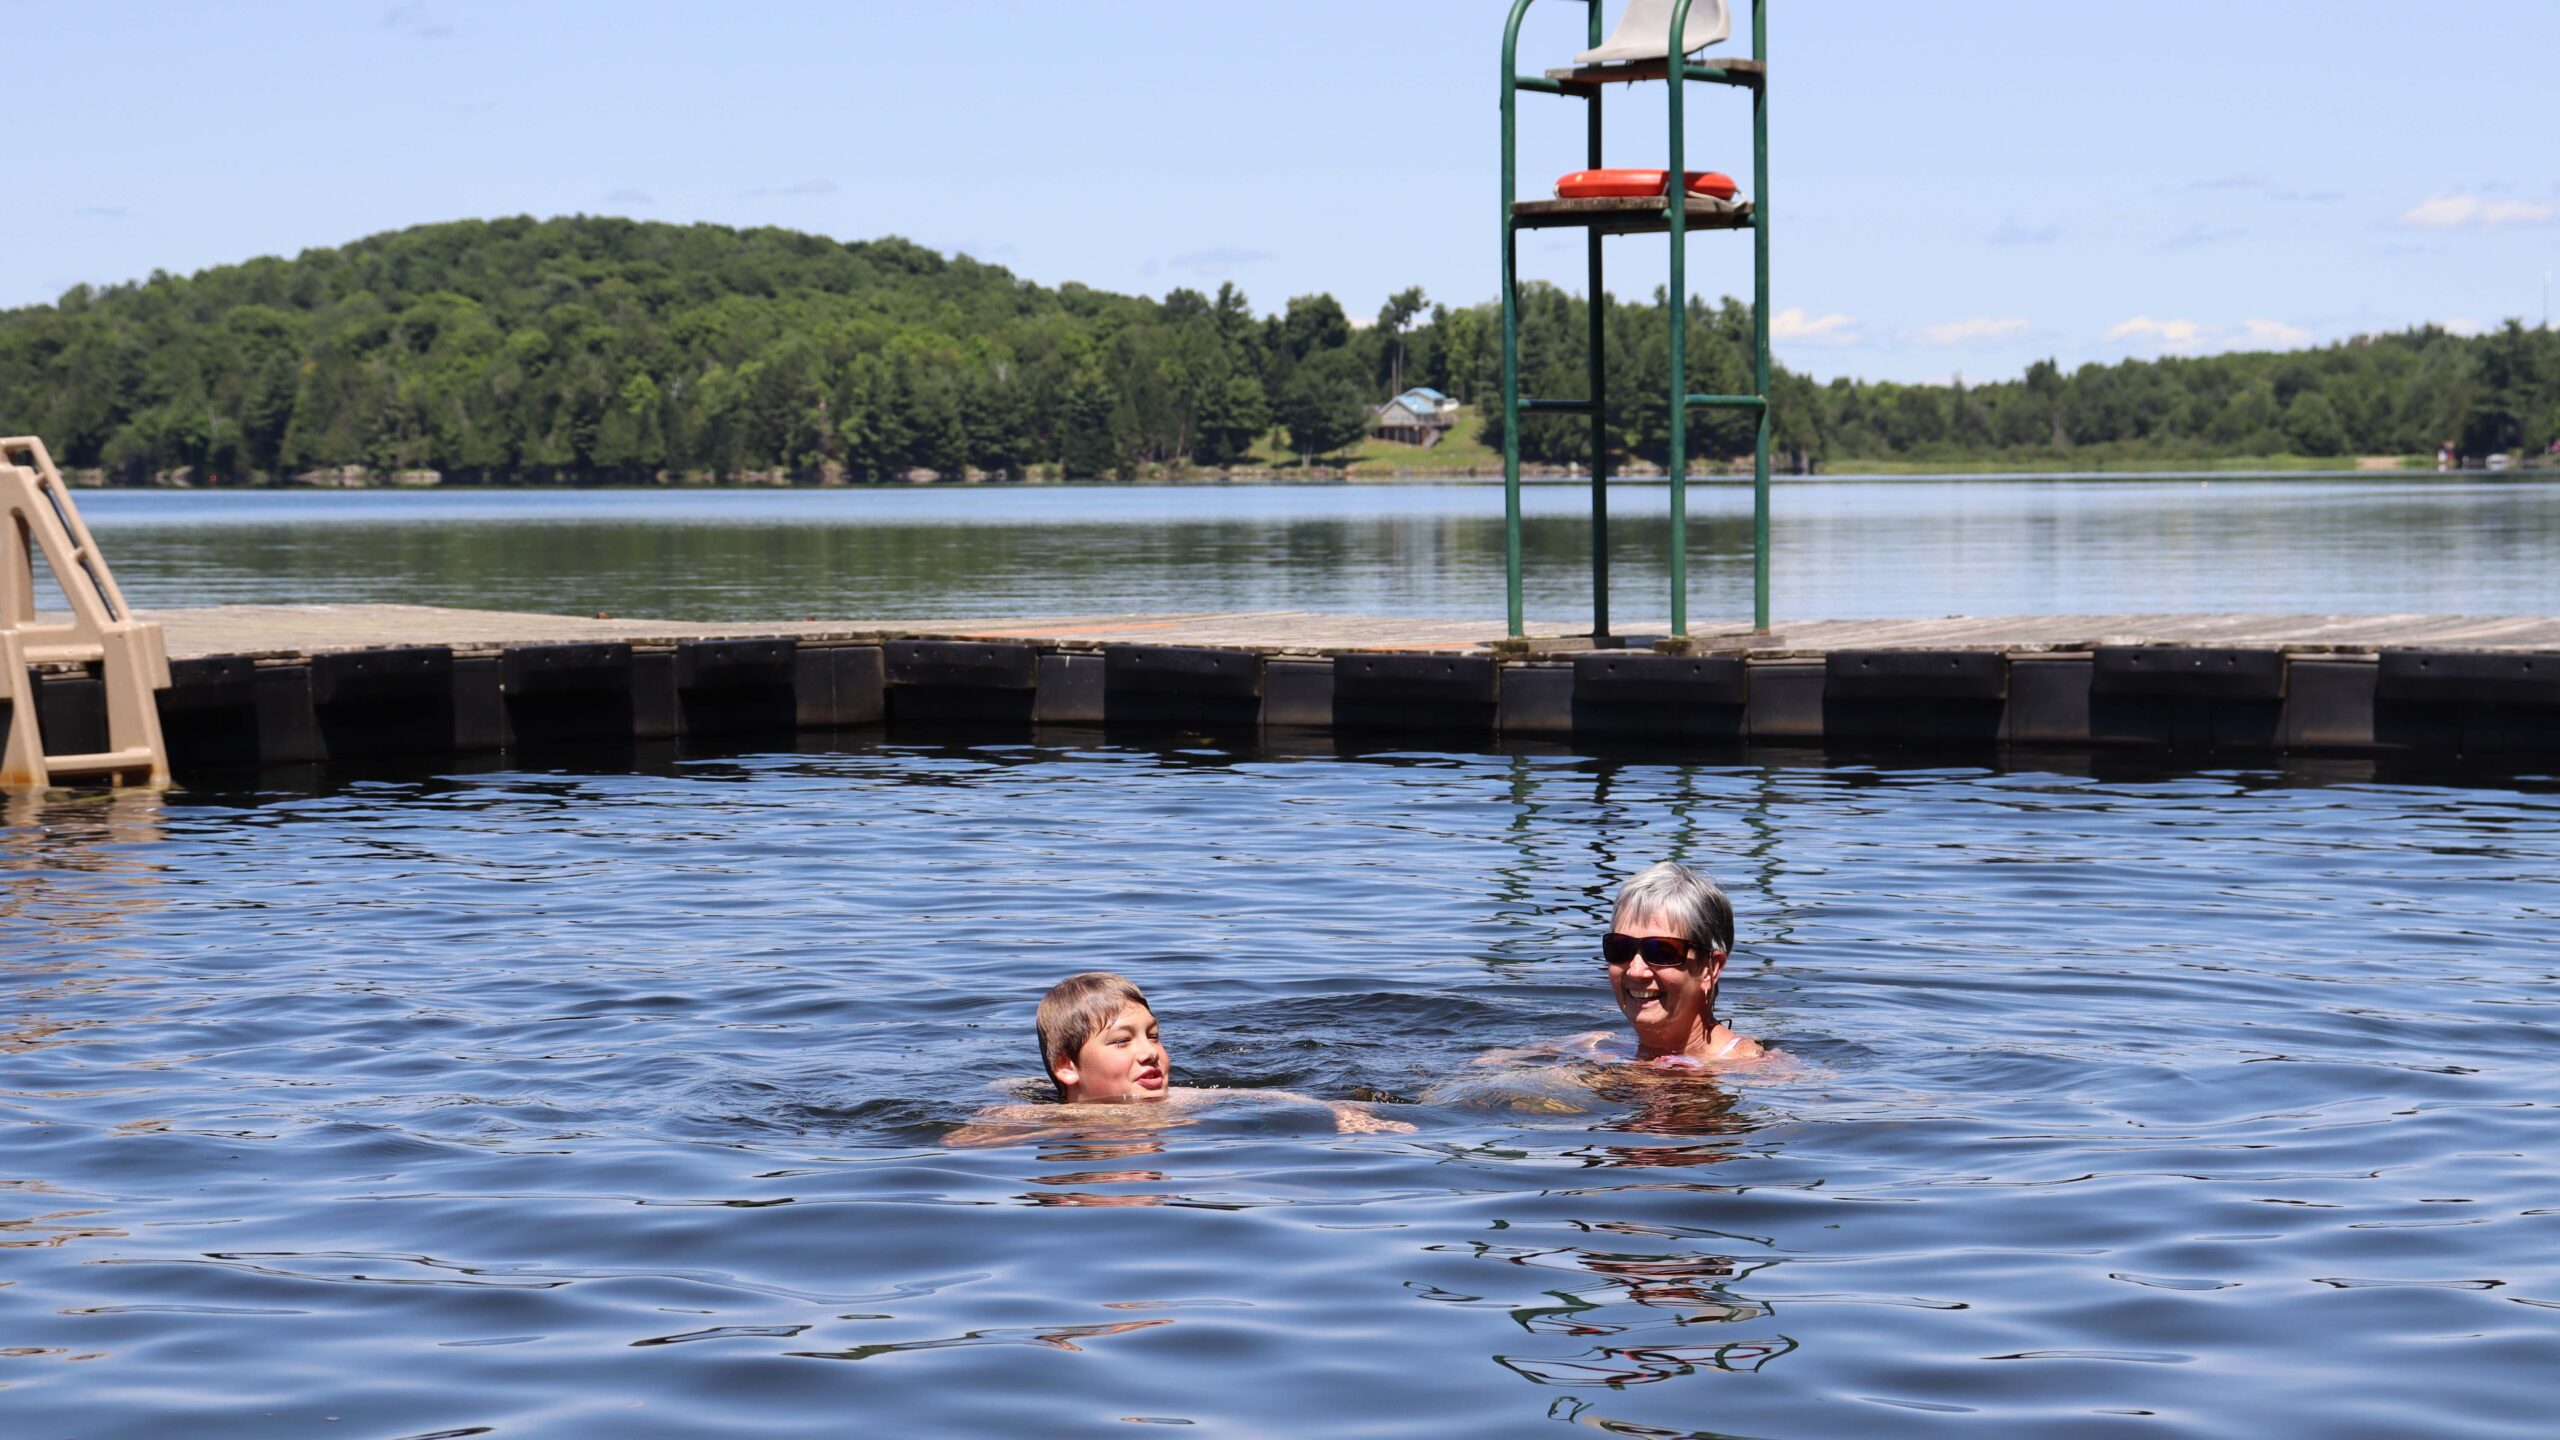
<point x="1957" y="187"/>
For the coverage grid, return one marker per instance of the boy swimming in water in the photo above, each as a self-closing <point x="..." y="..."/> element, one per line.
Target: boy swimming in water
<point x="1098" y="1041"/>
<point x="1100" y="1045"/>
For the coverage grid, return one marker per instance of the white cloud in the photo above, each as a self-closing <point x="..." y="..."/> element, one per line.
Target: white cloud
<point x="2169" y="334"/>
<point x="2457" y="211"/>
<point x="1973" y="331"/>
<point x="2459" y="326"/>
<point x="2145" y="333"/>
<point x="417" y="21"/>
<point x="1793" y="324"/>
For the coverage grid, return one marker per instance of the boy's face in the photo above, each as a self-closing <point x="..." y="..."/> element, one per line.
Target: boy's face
<point x="1122" y="1061"/>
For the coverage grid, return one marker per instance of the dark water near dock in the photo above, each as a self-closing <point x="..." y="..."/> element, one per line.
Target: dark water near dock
<point x="526" y="1103"/>
<point x="1844" y="549"/>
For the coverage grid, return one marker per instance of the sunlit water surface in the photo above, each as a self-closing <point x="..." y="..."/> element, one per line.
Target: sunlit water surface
<point x="1842" y="549"/>
<point x="532" y="1104"/>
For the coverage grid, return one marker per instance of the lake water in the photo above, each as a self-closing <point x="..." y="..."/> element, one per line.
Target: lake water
<point x="623" y="1102"/>
<point x="546" y="1104"/>
<point x="1843" y="549"/>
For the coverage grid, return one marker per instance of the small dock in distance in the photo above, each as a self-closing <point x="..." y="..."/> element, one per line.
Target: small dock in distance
<point x="270" y="685"/>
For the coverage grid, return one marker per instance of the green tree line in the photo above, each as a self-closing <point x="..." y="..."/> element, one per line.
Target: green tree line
<point x="2394" y="394"/>
<point x="596" y="349"/>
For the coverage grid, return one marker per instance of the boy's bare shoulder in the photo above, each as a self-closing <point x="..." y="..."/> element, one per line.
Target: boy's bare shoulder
<point x="1008" y="1124"/>
<point x="1023" y="1122"/>
<point x="1019" y="1121"/>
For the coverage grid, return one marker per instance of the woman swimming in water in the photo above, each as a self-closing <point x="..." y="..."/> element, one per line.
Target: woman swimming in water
<point x="1665" y="953"/>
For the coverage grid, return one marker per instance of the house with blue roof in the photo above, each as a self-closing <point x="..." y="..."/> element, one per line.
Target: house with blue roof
<point x="1420" y="416"/>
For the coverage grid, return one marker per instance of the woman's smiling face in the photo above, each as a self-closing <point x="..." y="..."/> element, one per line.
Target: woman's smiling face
<point x="1660" y="1000"/>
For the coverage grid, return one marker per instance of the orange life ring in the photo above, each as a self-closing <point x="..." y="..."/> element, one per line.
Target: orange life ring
<point x="1605" y="184"/>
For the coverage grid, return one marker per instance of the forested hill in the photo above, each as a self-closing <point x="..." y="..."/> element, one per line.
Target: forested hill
<point x="595" y="349"/>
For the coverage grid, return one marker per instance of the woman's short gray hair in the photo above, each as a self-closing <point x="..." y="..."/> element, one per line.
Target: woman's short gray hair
<point x="1682" y="896"/>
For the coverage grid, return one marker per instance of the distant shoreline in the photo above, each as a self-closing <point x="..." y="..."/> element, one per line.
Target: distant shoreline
<point x="1367" y="468"/>
<point x="1718" y="479"/>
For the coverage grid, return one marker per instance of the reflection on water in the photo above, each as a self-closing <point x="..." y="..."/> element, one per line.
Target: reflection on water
<point x="1072" y="1188"/>
<point x="1842" y="549"/>
<point x="1641" y="1292"/>
<point x="540" y="1103"/>
<point x="77" y="870"/>
<point x="1658" y="1102"/>
<point x="76" y="861"/>
<point x="1056" y="1337"/>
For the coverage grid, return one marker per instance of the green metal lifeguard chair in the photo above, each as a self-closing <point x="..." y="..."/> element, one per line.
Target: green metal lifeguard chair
<point x="1653" y="41"/>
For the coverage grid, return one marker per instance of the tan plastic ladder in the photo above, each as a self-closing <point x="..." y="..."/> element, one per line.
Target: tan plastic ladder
<point x="132" y="656"/>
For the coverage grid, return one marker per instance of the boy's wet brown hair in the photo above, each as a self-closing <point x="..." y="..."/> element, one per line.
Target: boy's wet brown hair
<point x="1074" y="1009"/>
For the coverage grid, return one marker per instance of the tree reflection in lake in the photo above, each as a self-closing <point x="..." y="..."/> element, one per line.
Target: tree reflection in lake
<point x="1643" y="1289"/>
<point x="1903" y="547"/>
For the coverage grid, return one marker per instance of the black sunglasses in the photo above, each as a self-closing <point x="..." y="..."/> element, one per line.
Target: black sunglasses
<point x="1659" y="951"/>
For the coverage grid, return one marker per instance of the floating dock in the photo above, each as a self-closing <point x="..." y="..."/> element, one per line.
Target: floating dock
<point x="277" y="685"/>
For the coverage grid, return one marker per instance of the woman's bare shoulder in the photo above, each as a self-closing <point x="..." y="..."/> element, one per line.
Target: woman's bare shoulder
<point x="1588" y="1045"/>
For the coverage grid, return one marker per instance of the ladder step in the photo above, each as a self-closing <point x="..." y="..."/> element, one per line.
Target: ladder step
<point x="137" y="757"/>
<point x="55" y="654"/>
<point x="1729" y="402"/>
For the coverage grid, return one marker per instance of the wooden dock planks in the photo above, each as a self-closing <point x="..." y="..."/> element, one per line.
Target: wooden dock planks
<point x="276" y="631"/>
